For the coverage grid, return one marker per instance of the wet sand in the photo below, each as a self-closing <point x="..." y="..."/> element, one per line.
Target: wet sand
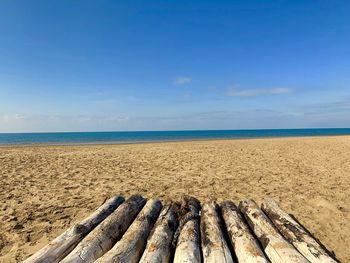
<point x="45" y="189"/>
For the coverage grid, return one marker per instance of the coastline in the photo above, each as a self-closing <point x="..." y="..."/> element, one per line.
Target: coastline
<point x="132" y="137"/>
<point x="48" y="188"/>
<point x="111" y="143"/>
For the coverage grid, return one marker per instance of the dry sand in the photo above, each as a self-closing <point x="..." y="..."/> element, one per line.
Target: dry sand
<point x="45" y="189"/>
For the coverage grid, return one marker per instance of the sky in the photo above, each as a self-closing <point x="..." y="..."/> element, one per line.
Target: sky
<point x="173" y="65"/>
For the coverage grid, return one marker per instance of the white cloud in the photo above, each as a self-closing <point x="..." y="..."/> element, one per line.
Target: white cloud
<point x="182" y="80"/>
<point x="43" y="123"/>
<point x="234" y="92"/>
<point x="341" y="106"/>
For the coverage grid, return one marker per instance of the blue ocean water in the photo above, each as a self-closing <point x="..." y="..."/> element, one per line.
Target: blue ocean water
<point x="153" y="136"/>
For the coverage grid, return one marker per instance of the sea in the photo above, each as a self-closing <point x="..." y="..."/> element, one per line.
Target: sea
<point x="121" y="137"/>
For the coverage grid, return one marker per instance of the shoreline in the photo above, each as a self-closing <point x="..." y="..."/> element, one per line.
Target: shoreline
<point x="111" y="143"/>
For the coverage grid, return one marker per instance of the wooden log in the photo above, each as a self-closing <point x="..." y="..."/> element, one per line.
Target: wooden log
<point x="295" y="233"/>
<point x="188" y="247"/>
<point x="245" y="245"/>
<point x="275" y="246"/>
<point x="58" y="248"/>
<point x="131" y="246"/>
<point x="159" y="246"/>
<point x="214" y="246"/>
<point x="106" y="234"/>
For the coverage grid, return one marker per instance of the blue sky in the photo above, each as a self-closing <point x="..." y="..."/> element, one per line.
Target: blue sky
<point x="172" y="65"/>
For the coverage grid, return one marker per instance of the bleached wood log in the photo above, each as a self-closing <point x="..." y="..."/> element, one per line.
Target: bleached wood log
<point x="214" y="246"/>
<point x="277" y="249"/>
<point x="58" y="248"/>
<point x="188" y="245"/>
<point x="245" y="246"/>
<point x="106" y="234"/>
<point x="131" y="246"/>
<point x="295" y="233"/>
<point x="159" y="246"/>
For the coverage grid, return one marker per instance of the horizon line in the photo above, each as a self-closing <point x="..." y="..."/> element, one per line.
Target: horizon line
<point x="184" y="130"/>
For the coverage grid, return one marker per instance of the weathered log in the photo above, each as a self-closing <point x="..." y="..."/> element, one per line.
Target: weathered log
<point x="106" y="234"/>
<point x="131" y="246"/>
<point x="214" y="246"/>
<point x="295" y="233"/>
<point x="275" y="246"/>
<point x="58" y="248"/>
<point x="159" y="246"/>
<point x="245" y="246"/>
<point x="188" y="244"/>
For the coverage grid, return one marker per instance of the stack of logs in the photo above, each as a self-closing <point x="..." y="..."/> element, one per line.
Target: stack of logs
<point x="138" y="230"/>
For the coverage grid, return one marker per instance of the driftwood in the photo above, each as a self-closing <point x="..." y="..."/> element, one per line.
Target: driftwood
<point x="245" y="246"/>
<point x="58" y="248"/>
<point x="105" y="235"/>
<point x="275" y="246"/>
<point x="131" y="246"/>
<point x="295" y="233"/>
<point x="139" y="230"/>
<point x="188" y="247"/>
<point x="158" y="247"/>
<point x="214" y="246"/>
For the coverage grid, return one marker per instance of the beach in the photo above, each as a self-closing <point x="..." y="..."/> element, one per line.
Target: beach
<point x="45" y="189"/>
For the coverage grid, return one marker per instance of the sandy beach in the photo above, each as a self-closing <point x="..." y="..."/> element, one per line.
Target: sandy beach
<point x="44" y="189"/>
